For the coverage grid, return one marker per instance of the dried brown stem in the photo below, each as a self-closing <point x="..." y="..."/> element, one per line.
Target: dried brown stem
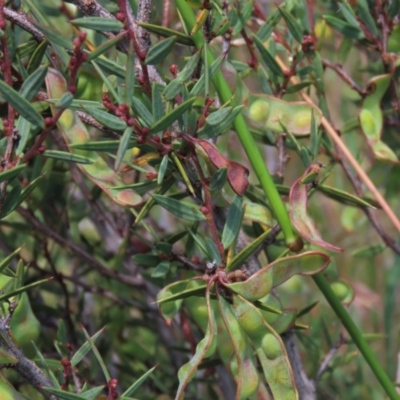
<point x="328" y="357"/>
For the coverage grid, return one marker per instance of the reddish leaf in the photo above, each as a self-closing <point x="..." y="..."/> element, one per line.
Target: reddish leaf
<point x="236" y="173"/>
<point x="298" y="199"/>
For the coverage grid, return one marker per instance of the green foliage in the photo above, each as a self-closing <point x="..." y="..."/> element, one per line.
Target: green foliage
<point x="146" y="249"/>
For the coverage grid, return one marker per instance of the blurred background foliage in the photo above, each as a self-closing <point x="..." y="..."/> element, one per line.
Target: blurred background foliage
<point x="107" y="265"/>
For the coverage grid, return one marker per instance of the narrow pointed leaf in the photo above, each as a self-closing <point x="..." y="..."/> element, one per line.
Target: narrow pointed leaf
<point x="168" y="119"/>
<point x="267" y="57"/>
<point x="169" y="308"/>
<point x="123" y="147"/>
<point x="66" y="156"/>
<point x="84" y="349"/>
<point x="33" y="83"/>
<point x="98" y="23"/>
<point x="106" y="119"/>
<point x="166" y="32"/>
<point x="21" y="105"/>
<point x="233" y="222"/>
<point x="11" y="173"/>
<point x="138" y="382"/>
<point x="160" y="51"/>
<point x="181" y="209"/>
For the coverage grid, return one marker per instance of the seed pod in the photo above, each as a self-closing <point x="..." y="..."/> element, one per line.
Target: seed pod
<point x="246" y="372"/>
<point x="269" y="348"/>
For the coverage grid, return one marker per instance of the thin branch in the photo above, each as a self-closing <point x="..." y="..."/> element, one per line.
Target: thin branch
<point x="79" y="252"/>
<point x="328" y="357"/>
<point x="27" y="369"/>
<point x="343" y="74"/>
<point x="305" y="386"/>
<point x="21" y="19"/>
<point x="368" y="211"/>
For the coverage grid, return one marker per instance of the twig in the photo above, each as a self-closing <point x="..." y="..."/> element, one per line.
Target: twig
<point x="79" y="252"/>
<point x="368" y="211"/>
<point x="343" y="74"/>
<point x="328" y="357"/>
<point x="27" y="369"/>
<point x="330" y="130"/>
<point x="21" y="19"/>
<point x="305" y="386"/>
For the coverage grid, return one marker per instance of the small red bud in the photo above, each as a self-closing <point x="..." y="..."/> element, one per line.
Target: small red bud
<point x="48" y="121"/>
<point x="251" y="63"/>
<point x="204" y="210"/>
<point x="145" y="131"/>
<point x="76" y="42"/>
<point x="120" y="16"/>
<point x="140" y="139"/>
<point x="151" y="175"/>
<point x="41" y="149"/>
<point x="157" y="139"/>
<point x="131" y="121"/>
<point x="82" y="36"/>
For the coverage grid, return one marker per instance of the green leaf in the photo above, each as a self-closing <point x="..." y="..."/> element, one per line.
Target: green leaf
<point x="172" y="89"/>
<point x="166" y="32"/>
<point x="65" y="101"/>
<point x="244" y="254"/>
<point x="163" y="169"/>
<point x="266" y="29"/>
<point x="160" y="51"/>
<point x="369" y="251"/>
<point x="97" y="355"/>
<point x="66" y="156"/>
<point x="84" y="349"/>
<point x="233" y="222"/>
<point x="212" y="251"/>
<point x="111" y="67"/>
<point x="11" y="173"/>
<point x="8" y="295"/>
<point x="37" y="57"/>
<point x="105" y="46"/>
<point x="4" y="263"/>
<point x="181" y="209"/>
<point x="292" y="24"/>
<point x="343" y="197"/>
<point x="138" y="382"/>
<point x="187" y="72"/>
<point x="92" y="394"/>
<point x="33" y="83"/>
<point x="161" y="269"/>
<point x="345" y="28"/>
<point x="21" y="105"/>
<point x="61" y="394"/>
<point x="267" y="57"/>
<point x="157" y="102"/>
<point x="142" y="111"/>
<point x="217" y="117"/>
<point x="168" y="119"/>
<point x="130" y="75"/>
<point x="106" y="119"/>
<point x="55" y="36"/>
<point x="12" y="201"/>
<point x="366" y="17"/>
<point x="123" y="146"/>
<point x="218" y="180"/>
<point x="102" y="146"/>
<point x="214" y="68"/>
<point x="98" y="23"/>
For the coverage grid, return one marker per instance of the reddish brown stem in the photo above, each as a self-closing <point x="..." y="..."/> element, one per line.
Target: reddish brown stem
<point x="208" y="211"/>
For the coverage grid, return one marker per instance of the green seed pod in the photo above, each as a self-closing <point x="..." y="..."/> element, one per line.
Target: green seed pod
<point x="259" y="111"/>
<point x="271" y="346"/>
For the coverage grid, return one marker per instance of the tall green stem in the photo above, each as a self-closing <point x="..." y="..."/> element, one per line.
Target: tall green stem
<point x="279" y="209"/>
<point x="357" y="336"/>
<point x="244" y="135"/>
